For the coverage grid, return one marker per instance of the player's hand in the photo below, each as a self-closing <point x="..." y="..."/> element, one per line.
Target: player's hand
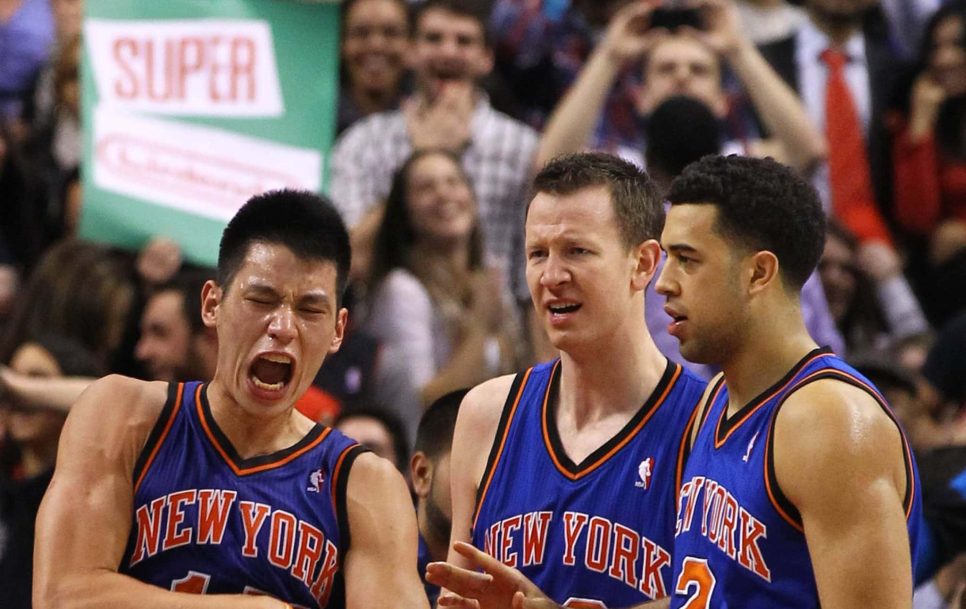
<point x="500" y="587"/>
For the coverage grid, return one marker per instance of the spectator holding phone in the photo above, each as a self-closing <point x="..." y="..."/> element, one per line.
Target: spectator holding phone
<point x="684" y="51"/>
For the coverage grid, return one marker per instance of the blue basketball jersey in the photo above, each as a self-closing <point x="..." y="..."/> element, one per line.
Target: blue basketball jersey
<point x="740" y="541"/>
<point x="207" y="521"/>
<point x="594" y="534"/>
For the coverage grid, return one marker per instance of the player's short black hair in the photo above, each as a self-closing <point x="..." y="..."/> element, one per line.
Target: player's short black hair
<point x="434" y="437"/>
<point x="637" y="203"/>
<point x="762" y="205"/>
<point x="302" y="221"/>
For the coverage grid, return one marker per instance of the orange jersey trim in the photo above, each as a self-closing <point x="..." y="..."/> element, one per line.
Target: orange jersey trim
<point x="239" y="471"/>
<point x="488" y="474"/>
<point x="910" y="493"/>
<point x="683" y="449"/>
<point x="337" y="470"/>
<point x="164" y="434"/>
<point x="761" y="402"/>
<point x="616" y="448"/>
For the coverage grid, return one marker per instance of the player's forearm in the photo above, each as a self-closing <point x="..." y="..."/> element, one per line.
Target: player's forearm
<point x="779" y="108"/>
<point x="102" y="589"/>
<point x="572" y="122"/>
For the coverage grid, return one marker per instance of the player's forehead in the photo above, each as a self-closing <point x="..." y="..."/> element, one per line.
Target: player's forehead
<point x="588" y="210"/>
<point x="275" y="266"/>
<point x="694" y="225"/>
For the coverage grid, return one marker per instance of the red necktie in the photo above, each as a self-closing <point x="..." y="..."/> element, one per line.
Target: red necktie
<point x="853" y="200"/>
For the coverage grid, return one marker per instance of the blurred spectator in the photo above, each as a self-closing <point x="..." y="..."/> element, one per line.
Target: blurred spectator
<point x="79" y="290"/>
<point x="684" y="61"/>
<point x="26" y="35"/>
<point x="448" y="110"/>
<point x="35" y="433"/>
<point x="945" y="371"/>
<point x="765" y="21"/>
<point x="68" y="23"/>
<point x="379" y="431"/>
<point x="175" y="345"/>
<point x="375" y="44"/>
<point x="429" y="470"/>
<point x="433" y="299"/>
<point x="25" y="229"/>
<point x="541" y="46"/>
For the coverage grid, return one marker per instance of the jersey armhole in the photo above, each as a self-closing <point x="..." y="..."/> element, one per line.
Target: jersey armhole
<point x="340" y="486"/>
<point x="499" y="439"/>
<point x="684" y="449"/>
<point x="785" y="507"/>
<point x="158" y="433"/>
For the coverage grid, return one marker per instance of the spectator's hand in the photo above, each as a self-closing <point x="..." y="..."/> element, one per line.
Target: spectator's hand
<point x="501" y="587"/>
<point x="878" y="260"/>
<point x="628" y="37"/>
<point x="158" y="261"/>
<point x="722" y="26"/>
<point x="444" y="121"/>
<point x="927" y="97"/>
<point x="487" y="307"/>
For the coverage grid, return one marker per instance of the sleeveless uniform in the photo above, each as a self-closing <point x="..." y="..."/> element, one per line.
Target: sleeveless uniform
<point x="594" y="534"/>
<point x="740" y="541"/>
<point x="207" y="521"/>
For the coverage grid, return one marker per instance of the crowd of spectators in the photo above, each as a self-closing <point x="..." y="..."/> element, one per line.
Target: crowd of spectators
<point x="446" y="108"/>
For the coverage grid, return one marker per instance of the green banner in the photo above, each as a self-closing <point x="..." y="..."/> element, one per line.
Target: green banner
<point x="192" y="106"/>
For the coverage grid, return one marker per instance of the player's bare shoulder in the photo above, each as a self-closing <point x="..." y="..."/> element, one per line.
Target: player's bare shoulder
<point x="119" y="412"/>
<point x="481" y="410"/>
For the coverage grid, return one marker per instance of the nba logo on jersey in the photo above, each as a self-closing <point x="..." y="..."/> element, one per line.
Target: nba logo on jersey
<point x="644" y="471"/>
<point x="316" y="479"/>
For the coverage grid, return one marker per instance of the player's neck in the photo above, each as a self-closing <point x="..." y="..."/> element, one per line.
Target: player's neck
<point x="251" y="435"/>
<point x="765" y="355"/>
<point x="618" y="377"/>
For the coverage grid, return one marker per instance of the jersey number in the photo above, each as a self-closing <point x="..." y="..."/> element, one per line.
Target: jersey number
<point x="584" y="603"/>
<point x="197" y="583"/>
<point x="696" y="575"/>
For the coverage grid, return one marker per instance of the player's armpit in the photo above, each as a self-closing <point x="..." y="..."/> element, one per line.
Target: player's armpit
<point x="380" y="566"/>
<point x="85" y="517"/>
<point x="839" y="459"/>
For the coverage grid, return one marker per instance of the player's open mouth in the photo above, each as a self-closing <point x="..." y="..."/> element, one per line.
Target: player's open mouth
<point x="563" y="309"/>
<point x="271" y="372"/>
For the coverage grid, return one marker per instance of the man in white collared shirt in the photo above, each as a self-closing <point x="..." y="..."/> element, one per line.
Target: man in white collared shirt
<point x="450" y="54"/>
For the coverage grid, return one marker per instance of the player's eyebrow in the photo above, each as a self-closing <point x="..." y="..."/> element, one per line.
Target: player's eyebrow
<point x="680" y="248"/>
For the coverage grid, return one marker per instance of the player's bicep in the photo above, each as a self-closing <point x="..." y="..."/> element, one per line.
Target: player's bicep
<point x="380" y="567"/>
<point x="850" y="495"/>
<point x="85" y="517"/>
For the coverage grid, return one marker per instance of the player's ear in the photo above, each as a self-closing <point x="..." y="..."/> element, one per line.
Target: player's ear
<point x="421" y="470"/>
<point x="647" y="257"/>
<point x="211" y="294"/>
<point x="342" y="318"/>
<point x="763" y="271"/>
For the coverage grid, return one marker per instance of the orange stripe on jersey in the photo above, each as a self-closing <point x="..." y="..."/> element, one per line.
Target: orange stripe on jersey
<point x="258" y="468"/>
<point x="488" y="475"/>
<point x="718" y="443"/>
<point x="795" y="524"/>
<point x="164" y="434"/>
<point x="685" y="447"/>
<point x="880" y="400"/>
<point x="338" y="470"/>
<point x="613" y="451"/>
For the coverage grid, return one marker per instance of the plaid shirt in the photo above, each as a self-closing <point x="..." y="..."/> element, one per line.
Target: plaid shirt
<point x="498" y="161"/>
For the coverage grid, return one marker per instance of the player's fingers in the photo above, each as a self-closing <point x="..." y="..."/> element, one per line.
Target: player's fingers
<point x="484" y="560"/>
<point x="520" y="601"/>
<point x="456" y="579"/>
<point x="456" y="602"/>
